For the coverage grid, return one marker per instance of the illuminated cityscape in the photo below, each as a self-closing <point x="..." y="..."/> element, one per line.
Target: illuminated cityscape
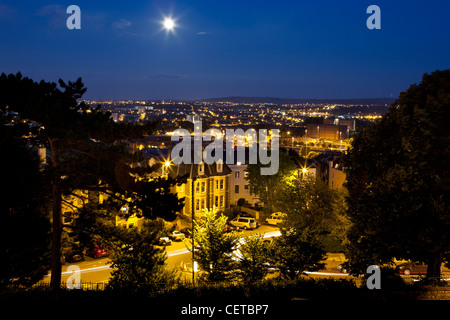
<point x="227" y="160"/>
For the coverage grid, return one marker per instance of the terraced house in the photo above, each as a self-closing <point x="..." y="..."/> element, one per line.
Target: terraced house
<point x="207" y="186"/>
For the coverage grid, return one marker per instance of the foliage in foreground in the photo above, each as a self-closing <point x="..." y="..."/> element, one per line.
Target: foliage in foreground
<point x="139" y="264"/>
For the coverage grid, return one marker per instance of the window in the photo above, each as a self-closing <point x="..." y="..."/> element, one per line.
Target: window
<point x="203" y="187"/>
<point x="197" y="205"/>
<point x="219" y="184"/>
<point x="197" y="187"/>
<point x="203" y="202"/>
<point x="216" y="201"/>
<point x="201" y="168"/>
<point x="219" y="166"/>
<point x="236" y="174"/>
<point x="221" y="201"/>
<point x="246" y="188"/>
<point x="236" y="188"/>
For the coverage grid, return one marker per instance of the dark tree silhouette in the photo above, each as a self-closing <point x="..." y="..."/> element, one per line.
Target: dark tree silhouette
<point x="25" y="227"/>
<point x="398" y="180"/>
<point x="88" y="151"/>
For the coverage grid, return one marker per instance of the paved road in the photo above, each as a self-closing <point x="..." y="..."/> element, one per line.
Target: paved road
<point x="99" y="270"/>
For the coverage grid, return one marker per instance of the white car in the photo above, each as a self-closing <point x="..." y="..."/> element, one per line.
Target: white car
<point x="244" y="223"/>
<point x="164" y="241"/>
<point x="178" y="236"/>
<point x="276" y="218"/>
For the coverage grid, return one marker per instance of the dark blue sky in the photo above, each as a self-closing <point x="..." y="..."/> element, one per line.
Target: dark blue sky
<point x="284" y="48"/>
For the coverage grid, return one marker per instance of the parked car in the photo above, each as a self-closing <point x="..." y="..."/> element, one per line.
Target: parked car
<point x="413" y="268"/>
<point x="164" y="241"/>
<point x="97" y="252"/>
<point x="342" y="268"/>
<point x="229" y="227"/>
<point x="72" y="256"/>
<point x="276" y="218"/>
<point x="177" y="235"/>
<point x="244" y="222"/>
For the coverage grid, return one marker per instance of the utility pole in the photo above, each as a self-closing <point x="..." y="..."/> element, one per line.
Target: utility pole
<point x="193" y="216"/>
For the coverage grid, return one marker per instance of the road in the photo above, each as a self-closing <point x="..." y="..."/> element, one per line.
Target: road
<point x="99" y="270"/>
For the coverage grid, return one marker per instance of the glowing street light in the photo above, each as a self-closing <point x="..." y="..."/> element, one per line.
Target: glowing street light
<point x="165" y="168"/>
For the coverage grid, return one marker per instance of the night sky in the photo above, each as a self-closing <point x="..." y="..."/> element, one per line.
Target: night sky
<point x="284" y="48"/>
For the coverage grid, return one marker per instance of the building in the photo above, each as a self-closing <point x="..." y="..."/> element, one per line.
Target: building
<point x="336" y="174"/>
<point x="207" y="186"/>
<point x="330" y="169"/>
<point x="351" y="124"/>
<point x="239" y="186"/>
<point x="327" y="131"/>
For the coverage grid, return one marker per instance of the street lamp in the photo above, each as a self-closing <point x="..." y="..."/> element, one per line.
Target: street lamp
<point x="165" y="168"/>
<point x="192" y="233"/>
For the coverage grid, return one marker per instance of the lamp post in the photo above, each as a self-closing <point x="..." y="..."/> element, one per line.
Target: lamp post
<point x="192" y="233"/>
<point x="165" y="168"/>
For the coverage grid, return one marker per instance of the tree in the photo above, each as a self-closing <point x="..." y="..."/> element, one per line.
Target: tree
<point x="267" y="187"/>
<point x="88" y="149"/>
<point x="138" y="263"/>
<point x="310" y="203"/>
<point x="295" y="252"/>
<point x="214" y="247"/>
<point x="25" y="228"/>
<point x="398" y="180"/>
<point x="253" y="259"/>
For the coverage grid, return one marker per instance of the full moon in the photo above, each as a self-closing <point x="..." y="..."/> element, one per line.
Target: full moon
<point x="168" y="24"/>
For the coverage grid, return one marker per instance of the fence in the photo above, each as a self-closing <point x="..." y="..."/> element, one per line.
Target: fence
<point x="199" y="284"/>
<point x="304" y="288"/>
<point x="84" y="285"/>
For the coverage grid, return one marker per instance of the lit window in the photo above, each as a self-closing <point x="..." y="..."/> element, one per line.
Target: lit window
<point x="197" y="187"/>
<point x="203" y="203"/>
<point x="197" y="205"/>
<point x="219" y="166"/>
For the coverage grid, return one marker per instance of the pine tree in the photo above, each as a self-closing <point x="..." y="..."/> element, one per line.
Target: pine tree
<point x="88" y="149"/>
